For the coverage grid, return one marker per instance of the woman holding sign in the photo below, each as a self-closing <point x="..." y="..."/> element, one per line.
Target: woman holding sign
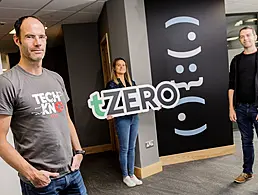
<point x="126" y="126"/>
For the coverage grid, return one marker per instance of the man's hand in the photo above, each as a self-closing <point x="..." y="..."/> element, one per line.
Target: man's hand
<point x="232" y="115"/>
<point x="257" y="117"/>
<point x="42" y="178"/>
<point x="77" y="159"/>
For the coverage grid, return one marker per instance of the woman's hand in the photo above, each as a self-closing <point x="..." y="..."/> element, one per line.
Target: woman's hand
<point x="109" y="117"/>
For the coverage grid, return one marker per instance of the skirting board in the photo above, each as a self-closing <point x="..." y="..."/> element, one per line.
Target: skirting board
<point x="148" y="171"/>
<point x="169" y="160"/>
<point x="98" y="149"/>
<point x="197" y="155"/>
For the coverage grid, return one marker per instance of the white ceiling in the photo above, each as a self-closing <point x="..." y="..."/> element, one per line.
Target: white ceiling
<point x="241" y="6"/>
<point x="57" y="12"/>
<point x="52" y="12"/>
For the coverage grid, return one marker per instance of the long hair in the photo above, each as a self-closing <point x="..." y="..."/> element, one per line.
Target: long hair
<point x="113" y="72"/>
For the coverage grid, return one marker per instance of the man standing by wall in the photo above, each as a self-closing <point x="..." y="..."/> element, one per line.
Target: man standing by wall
<point x="33" y="103"/>
<point x="10" y="174"/>
<point x="243" y="97"/>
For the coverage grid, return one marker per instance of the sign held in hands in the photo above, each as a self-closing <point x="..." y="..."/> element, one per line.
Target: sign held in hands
<point x="133" y="100"/>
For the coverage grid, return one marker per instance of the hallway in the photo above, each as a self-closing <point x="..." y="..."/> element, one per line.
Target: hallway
<point x="204" y="177"/>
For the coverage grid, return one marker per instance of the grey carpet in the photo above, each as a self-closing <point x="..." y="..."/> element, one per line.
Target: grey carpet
<point x="205" y="177"/>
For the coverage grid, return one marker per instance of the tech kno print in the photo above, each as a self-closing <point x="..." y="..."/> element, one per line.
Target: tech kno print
<point x="135" y="99"/>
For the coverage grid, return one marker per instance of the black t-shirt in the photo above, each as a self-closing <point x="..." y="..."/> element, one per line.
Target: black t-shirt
<point x="246" y="79"/>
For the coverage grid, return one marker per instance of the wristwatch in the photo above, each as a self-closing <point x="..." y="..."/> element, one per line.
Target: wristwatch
<point x="79" y="152"/>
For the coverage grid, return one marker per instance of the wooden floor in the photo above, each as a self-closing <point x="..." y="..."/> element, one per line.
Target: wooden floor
<point x="205" y="177"/>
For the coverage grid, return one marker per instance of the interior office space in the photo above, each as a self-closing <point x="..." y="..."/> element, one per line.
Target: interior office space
<point x="84" y="37"/>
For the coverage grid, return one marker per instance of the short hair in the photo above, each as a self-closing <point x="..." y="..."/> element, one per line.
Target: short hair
<point x="18" y="23"/>
<point x="247" y="27"/>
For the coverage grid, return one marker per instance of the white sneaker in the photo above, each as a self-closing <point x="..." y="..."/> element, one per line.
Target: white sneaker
<point x="136" y="180"/>
<point x="129" y="182"/>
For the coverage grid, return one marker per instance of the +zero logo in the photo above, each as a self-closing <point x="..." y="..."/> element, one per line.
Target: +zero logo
<point x="133" y="100"/>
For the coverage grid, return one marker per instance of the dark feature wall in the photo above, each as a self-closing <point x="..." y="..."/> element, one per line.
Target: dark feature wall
<point x="175" y="32"/>
<point x="85" y="72"/>
<point x="103" y="23"/>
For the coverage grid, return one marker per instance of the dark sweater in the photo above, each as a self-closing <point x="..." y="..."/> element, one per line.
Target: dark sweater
<point x="112" y="85"/>
<point x="242" y="77"/>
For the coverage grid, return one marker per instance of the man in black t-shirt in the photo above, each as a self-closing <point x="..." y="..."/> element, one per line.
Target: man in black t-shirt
<point x="242" y="93"/>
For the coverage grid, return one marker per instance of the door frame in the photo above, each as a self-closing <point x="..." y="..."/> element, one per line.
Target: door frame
<point x="107" y="68"/>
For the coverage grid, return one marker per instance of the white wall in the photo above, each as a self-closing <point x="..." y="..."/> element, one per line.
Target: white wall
<point x="9" y="181"/>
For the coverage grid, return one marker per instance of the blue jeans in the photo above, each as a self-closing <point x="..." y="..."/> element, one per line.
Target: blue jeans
<point x="70" y="184"/>
<point x="127" y="130"/>
<point x="246" y="120"/>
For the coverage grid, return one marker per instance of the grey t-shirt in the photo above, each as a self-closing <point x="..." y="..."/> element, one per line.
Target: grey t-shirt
<point x="39" y="122"/>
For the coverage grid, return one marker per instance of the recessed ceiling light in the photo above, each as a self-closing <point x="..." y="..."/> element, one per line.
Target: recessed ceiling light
<point x="239" y="23"/>
<point x="232" y="38"/>
<point x="12" y="32"/>
<point x="251" y="20"/>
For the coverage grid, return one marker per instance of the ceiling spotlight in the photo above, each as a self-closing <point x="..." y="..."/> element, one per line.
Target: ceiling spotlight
<point x="2" y="23"/>
<point x="12" y="32"/>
